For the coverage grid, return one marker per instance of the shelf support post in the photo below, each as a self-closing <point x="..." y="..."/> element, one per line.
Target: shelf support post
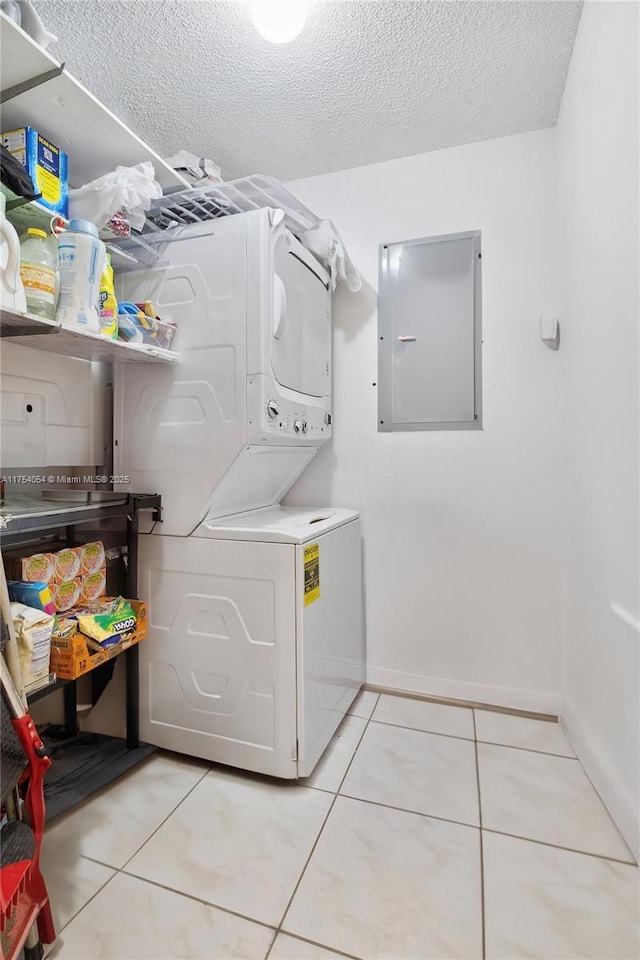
<point x="132" y="654"/>
<point x="24" y="85"/>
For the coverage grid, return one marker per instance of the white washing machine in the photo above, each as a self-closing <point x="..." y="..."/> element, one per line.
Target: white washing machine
<point x="241" y="665"/>
<point x="255" y="648"/>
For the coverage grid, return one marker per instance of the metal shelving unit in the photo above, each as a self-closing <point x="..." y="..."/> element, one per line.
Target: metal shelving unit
<point x="85" y="764"/>
<point x="37" y="91"/>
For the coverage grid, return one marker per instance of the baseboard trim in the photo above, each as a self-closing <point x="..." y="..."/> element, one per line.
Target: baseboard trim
<point x="471" y="704"/>
<point x="619" y="805"/>
<point x="513" y="700"/>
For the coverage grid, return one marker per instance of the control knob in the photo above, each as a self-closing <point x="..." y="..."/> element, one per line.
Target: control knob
<point x="297" y="426"/>
<point x="272" y="409"/>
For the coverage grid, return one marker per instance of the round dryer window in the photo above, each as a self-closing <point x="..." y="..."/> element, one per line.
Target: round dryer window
<point x="301" y="341"/>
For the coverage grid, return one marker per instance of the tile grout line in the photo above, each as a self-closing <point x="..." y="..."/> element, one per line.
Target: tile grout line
<point x="271" y="945"/>
<point x="315" y="943"/>
<point x="597" y="793"/>
<point x="123" y="870"/>
<point x="117" y="870"/>
<point x="413" y="813"/>
<point x="324" y="822"/>
<point x="482" y="897"/>
<point x="92" y="897"/>
<point x="206" y="903"/>
<point x="557" y="846"/>
<point x="491" y="743"/>
<point x="162" y="823"/>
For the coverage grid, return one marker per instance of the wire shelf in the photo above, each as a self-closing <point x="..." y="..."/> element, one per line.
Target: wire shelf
<point x="200" y="204"/>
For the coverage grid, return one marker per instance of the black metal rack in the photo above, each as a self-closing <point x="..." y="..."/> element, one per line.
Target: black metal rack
<point x="90" y="761"/>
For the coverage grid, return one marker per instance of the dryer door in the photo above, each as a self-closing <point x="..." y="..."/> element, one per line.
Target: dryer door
<point x="301" y="341"/>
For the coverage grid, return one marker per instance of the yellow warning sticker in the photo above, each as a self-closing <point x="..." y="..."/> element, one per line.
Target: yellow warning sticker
<point x="311" y="573"/>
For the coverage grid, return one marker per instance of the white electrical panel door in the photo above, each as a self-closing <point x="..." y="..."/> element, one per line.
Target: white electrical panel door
<point x="331" y="655"/>
<point x="430" y="334"/>
<point x="218" y="669"/>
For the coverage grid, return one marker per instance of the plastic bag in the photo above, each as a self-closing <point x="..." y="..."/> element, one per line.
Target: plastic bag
<point x="33" y="25"/>
<point x="131" y="189"/>
<point x="33" y="633"/>
<point x="197" y="170"/>
<point x="325" y="243"/>
<point x="15" y="176"/>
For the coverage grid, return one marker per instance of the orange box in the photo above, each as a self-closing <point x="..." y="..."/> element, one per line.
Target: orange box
<point x="71" y="657"/>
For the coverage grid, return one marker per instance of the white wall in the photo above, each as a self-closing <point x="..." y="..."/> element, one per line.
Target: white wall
<point x="51" y="410"/>
<point x="598" y="198"/>
<point x="462" y="529"/>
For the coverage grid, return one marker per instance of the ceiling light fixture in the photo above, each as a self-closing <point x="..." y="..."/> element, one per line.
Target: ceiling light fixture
<point x="279" y="22"/>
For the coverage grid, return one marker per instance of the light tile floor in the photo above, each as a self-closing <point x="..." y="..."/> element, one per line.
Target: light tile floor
<point x="426" y="831"/>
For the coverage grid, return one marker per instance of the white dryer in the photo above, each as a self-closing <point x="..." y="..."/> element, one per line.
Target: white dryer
<point x="255" y="648"/>
<point x="234" y="423"/>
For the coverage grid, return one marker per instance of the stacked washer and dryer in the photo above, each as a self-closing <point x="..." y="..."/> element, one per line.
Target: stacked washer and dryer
<point x="256" y="647"/>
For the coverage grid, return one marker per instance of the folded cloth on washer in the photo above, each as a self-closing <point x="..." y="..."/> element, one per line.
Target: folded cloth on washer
<point x="325" y="243"/>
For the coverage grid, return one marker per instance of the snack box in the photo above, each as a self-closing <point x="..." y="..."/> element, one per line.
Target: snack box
<point x="65" y="564"/>
<point x="38" y="568"/>
<point x="45" y="163"/>
<point x="35" y="595"/>
<point x="74" y="575"/>
<point x="94" y="585"/>
<point x="66" y="595"/>
<point x="71" y="656"/>
<point x="92" y="557"/>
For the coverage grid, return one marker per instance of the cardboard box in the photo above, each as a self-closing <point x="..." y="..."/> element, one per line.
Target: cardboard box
<point x="45" y="163"/>
<point x="71" y="657"/>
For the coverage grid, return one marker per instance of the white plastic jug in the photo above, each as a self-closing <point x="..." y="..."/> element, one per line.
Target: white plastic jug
<point x="80" y="261"/>
<point x="11" y="289"/>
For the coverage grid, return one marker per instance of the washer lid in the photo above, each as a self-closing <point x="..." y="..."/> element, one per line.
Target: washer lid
<point x="278" y="525"/>
<point x="301" y="335"/>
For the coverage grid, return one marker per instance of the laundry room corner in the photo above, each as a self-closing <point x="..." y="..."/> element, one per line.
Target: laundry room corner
<point x="453" y="515"/>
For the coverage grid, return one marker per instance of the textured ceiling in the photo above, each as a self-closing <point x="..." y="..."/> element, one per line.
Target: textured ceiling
<point x="364" y="82"/>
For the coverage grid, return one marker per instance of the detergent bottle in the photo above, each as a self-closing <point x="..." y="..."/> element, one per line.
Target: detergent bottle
<point x="80" y="256"/>
<point x="12" y="295"/>
<point x="108" y="304"/>
<point x="38" y="264"/>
